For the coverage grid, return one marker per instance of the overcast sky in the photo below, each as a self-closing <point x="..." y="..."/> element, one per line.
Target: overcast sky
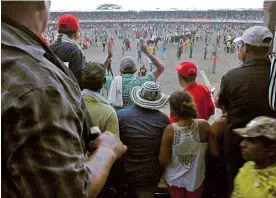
<point x="68" y="5"/>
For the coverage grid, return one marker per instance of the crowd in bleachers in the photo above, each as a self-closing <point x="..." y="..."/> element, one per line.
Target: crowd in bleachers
<point x="207" y="14"/>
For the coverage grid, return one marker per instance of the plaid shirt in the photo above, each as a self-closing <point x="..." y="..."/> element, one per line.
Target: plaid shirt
<point x="128" y="82"/>
<point x="44" y="125"/>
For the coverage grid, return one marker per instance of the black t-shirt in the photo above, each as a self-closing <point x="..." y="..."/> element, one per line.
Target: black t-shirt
<point x="70" y="52"/>
<point x="244" y="91"/>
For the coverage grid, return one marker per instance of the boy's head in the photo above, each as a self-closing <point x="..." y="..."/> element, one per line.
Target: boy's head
<point x="93" y="77"/>
<point x="187" y="72"/>
<point x="260" y="139"/>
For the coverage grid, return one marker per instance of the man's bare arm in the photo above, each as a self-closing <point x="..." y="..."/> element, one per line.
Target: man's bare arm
<point x="110" y="44"/>
<point x="158" y="64"/>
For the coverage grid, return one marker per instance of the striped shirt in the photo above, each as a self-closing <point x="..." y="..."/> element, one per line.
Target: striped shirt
<point x="272" y="84"/>
<point x="44" y="120"/>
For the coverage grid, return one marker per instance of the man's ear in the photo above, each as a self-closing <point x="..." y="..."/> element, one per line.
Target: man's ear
<point x="244" y="48"/>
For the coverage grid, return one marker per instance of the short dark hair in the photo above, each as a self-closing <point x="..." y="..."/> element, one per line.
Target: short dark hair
<point x="128" y="70"/>
<point x="93" y="77"/>
<point x="69" y="34"/>
<point x="258" y="50"/>
<point x="266" y="142"/>
<point x="189" y="79"/>
<point x="263" y="51"/>
<point x="182" y="105"/>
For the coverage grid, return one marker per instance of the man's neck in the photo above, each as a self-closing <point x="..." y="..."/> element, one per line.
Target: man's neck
<point x="186" y="85"/>
<point x="253" y="57"/>
<point x="31" y="24"/>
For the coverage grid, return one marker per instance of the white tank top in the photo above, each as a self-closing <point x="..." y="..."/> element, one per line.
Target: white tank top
<point x="187" y="166"/>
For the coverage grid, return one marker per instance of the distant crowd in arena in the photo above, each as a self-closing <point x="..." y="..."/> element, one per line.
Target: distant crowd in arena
<point x="204" y="14"/>
<point x="63" y="137"/>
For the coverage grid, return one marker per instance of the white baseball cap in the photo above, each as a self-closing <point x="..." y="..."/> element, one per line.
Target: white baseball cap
<point x="256" y="36"/>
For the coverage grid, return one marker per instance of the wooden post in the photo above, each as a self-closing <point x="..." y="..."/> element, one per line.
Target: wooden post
<point x="270" y="17"/>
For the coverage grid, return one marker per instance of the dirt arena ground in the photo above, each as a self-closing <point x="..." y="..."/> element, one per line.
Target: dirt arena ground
<point x="168" y="80"/>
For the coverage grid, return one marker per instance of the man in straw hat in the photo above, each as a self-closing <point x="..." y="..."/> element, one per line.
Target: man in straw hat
<point x="141" y="128"/>
<point x="257" y="177"/>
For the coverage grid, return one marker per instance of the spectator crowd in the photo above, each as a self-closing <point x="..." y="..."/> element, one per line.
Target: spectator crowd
<point x="61" y="137"/>
<point x="192" y="14"/>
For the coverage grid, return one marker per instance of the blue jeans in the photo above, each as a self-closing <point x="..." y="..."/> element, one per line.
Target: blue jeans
<point x="214" y="68"/>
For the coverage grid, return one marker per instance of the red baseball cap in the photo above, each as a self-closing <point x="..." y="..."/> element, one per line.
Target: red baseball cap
<point x="186" y="68"/>
<point x="68" y="23"/>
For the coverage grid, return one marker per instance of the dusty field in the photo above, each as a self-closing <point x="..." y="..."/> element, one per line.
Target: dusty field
<point x="168" y="80"/>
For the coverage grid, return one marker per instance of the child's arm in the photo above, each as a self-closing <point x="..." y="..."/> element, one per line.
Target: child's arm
<point x="166" y="145"/>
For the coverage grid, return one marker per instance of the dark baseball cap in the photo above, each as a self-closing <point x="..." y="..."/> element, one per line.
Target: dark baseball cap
<point x="128" y="64"/>
<point x="93" y="71"/>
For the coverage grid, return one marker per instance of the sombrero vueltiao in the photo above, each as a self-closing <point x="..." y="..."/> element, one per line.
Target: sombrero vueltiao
<point x="149" y="96"/>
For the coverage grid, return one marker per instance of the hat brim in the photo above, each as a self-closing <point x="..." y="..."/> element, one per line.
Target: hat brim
<point x="237" y="39"/>
<point x="139" y="101"/>
<point x="243" y="132"/>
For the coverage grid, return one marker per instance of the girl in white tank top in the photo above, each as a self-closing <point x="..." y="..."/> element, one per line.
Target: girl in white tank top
<point x="183" y="148"/>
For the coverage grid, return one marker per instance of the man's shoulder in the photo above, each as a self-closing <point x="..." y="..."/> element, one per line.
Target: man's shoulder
<point x="204" y="87"/>
<point x="21" y="73"/>
<point x="243" y="71"/>
<point x="148" y="77"/>
<point x="106" y="109"/>
<point x="126" y="112"/>
<point x="233" y="72"/>
<point x="67" y="47"/>
<point x="197" y="87"/>
<point x="247" y="167"/>
<point x="94" y="105"/>
<point x="163" y="116"/>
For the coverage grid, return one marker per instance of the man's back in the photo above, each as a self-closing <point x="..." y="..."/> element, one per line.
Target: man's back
<point x="141" y="131"/>
<point x="42" y="116"/>
<point x="129" y="81"/>
<point x="70" y="52"/>
<point x="245" y="92"/>
<point x="202" y="98"/>
<point x="103" y="114"/>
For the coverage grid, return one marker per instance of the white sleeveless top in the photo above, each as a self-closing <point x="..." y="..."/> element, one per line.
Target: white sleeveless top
<point x="187" y="166"/>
